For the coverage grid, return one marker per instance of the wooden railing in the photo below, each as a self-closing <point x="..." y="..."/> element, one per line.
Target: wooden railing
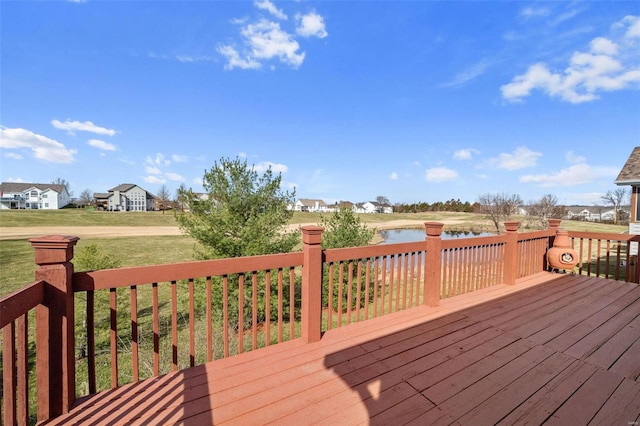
<point x="606" y="255"/>
<point x="166" y="312"/>
<point x="135" y="323"/>
<point x="16" y="309"/>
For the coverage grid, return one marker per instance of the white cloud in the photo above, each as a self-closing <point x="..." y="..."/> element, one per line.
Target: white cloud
<point x="97" y="143"/>
<point x="265" y="40"/>
<point x="153" y="179"/>
<point x="394" y="176"/>
<point x="465" y="154"/>
<point x="86" y="126"/>
<point x="521" y="158"/>
<point x="174" y="176"/>
<point x="276" y="168"/>
<point x="440" y="174"/>
<point x="152" y="170"/>
<point x="632" y="24"/>
<point x="192" y="59"/>
<point x="311" y="25"/>
<point x="13" y="155"/>
<point x="43" y="148"/>
<point x="417" y="163"/>
<point x="607" y="66"/>
<point x="15" y="180"/>
<point x="474" y="71"/>
<point x="531" y="12"/>
<point x="603" y="46"/>
<point x="179" y="158"/>
<point x="235" y="61"/>
<point x="157" y="159"/>
<point x="271" y="8"/>
<point x="573" y="158"/>
<point x="576" y="174"/>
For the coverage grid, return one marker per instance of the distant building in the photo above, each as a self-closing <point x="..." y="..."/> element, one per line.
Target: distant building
<point x="125" y="197"/>
<point x="630" y="175"/>
<point x="45" y="196"/>
<point x="310" y="205"/>
<point x="372" y="207"/>
<point x="589" y="214"/>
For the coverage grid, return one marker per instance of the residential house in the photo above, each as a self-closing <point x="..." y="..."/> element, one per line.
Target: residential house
<point x="340" y="206"/>
<point x="630" y="175"/>
<point x="20" y="195"/>
<point x="127" y="197"/>
<point x="372" y="207"/>
<point x="310" y="205"/>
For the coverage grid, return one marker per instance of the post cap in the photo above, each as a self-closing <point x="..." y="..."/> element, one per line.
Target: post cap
<point x="512" y="225"/>
<point x="433" y="229"/>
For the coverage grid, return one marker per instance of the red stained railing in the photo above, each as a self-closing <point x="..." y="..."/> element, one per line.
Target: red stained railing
<point x="605" y="255"/>
<point x="15" y="310"/>
<point x="173" y="298"/>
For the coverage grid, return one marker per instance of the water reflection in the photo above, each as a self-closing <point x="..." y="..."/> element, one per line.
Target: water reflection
<point x="393" y="236"/>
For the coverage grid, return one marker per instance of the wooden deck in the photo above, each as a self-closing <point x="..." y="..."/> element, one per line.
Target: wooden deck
<point x="556" y="349"/>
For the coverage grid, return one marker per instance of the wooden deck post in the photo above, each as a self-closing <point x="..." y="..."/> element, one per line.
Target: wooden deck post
<point x="511" y="255"/>
<point x="55" y="333"/>
<point x="433" y="263"/>
<point x="311" y="283"/>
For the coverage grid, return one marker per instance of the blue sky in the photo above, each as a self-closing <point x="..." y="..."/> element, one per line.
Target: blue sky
<point x="349" y="100"/>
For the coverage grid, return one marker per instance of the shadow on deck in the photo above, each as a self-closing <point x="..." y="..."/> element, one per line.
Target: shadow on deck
<point x="557" y="349"/>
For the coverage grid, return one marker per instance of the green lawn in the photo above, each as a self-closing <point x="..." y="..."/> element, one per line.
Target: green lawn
<point x="82" y="217"/>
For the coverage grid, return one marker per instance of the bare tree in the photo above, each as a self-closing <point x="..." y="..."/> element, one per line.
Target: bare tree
<point x="163" y="198"/>
<point x="616" y="198"/>
<point x="499" y="207"/>
<point x="65" y="183"/>
<point x="86" y="198"/>
<point x="381" y="199"/>
<point x="544" y="209"/>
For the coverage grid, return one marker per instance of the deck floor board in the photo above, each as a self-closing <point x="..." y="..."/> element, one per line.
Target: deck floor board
<point x="553" y="349"/>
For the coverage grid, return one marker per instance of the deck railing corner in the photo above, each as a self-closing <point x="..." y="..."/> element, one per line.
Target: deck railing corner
<point x="55" y="322"/>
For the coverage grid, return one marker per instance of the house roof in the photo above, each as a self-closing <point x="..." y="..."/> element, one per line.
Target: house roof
<point x="311" y="202"/>
<point x="8" y="187"/>
<point x="123" y="187"/>
<point x="630" y="173"/>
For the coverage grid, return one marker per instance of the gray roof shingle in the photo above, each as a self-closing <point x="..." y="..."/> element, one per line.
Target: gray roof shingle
<point x="630" y="173"/>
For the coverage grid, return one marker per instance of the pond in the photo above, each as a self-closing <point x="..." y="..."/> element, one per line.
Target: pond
<point x="393" y="236"/>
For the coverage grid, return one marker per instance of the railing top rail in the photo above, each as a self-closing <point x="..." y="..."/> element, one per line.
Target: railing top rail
<point x="534" y="235"/>
<point x="473" y="241"/>
<point x="20" y="302"/>
<point x="123" y="277"/>
<point x="364" y="252"/>
<point x="604" y="236"/>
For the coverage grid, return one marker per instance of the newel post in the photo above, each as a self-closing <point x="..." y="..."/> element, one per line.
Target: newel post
<point x="311" y="283"/>
<point x="55" y="334"/>
<point x="433" y="263"/>
<point x="511" y="255"/>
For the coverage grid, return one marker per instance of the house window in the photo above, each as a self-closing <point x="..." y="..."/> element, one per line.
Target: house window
<point x="44" y="195"/>
<point x="34" y="193"/>
<point x="46" y="204"/>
